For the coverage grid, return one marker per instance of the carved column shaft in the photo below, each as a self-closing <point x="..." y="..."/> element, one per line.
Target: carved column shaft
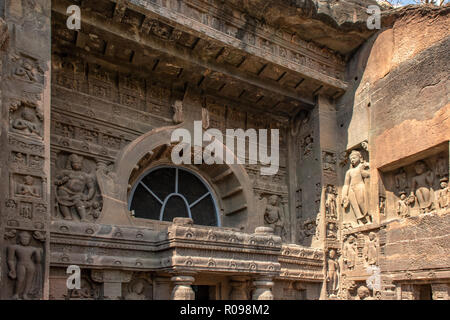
<point x="440" y="291"/>
<point x="238" y="289"/>
<point x="25" y="144"/>
<point x="263" y="289"/>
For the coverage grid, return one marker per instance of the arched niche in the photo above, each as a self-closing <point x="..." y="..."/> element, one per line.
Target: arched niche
<point x="230" y="184"/>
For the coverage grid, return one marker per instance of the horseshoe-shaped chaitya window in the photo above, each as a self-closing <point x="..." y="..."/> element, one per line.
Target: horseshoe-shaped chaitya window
<point x="164" y="193"/>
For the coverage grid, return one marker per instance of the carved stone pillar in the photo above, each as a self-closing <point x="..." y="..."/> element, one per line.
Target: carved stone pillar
<point x="440" y="291"/>
<point x="408" y="292"/>
<point x="263" y="289"/>
<point x="25" y="144"/>
<point x="238" y="288"/>
<point x="112" y="282"/>
<point x="182" y="289"/>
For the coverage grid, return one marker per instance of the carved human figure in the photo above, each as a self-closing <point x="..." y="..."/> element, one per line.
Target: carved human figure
<point x="354" y="190"/>
<point x="331" y="232"/>
<point x="273" y="215"/>
<point x="370" y="249"/>
<point x="332" y="273"/>
<point x="27" y="188"/>
<point x="27" y="122"/>
<point x="441" y="167"/>
<point x="443" y="195"/>
<point x="178" y="116"/>
<point x="71" y="192"/>
<point x="205" y="119"/>
<point x="401" y="182"/>
<point x="306" y="230"/>
<point x="23" y="261"/>
<point x="27" y="70"/>
<point x="350" y="252"/>
<point x="421" y="187"/>
<point x="382" y="204"/>
<point x="19" y="158"/>
<point x="307" y="145"/>
<point x="330" y="203"/>
<point x="403" y="205"/>
<point x="363" y="293"/>
<point x="328" y="162"/>
<point x="317" y="226"/>
<point x="136" y="290"/>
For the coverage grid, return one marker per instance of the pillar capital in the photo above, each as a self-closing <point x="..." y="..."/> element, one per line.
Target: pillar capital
<point x="183" y="287"/>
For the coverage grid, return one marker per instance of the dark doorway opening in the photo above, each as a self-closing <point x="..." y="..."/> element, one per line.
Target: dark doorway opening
<point x="425" y="292"/>
<point x="204" y="293"/>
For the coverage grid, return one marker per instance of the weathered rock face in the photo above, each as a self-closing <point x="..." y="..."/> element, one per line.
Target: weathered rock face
<point x="338" y="25"/>
<point x="4" y="35"/>
<point x="400" y="105"/>
<point x="358" y="209"/>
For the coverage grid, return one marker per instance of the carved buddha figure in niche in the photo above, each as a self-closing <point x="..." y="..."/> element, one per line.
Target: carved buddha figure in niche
<point x="27" y="188"/>
<point x="27" y="122"/>
<point x="421" y="187"/>
<point x="331" y="232"/>
<point x="370" y="250"/>
<point x="20" y="158"/>
<point x="23" y="261"/>
<point x="330" y="203"/>
<point x="350" y="252"/>
<point x="332" y="273"/>
<point x="354" y="190"/>
<point x="273" y="216"/>
<point x="75" y="189"/>
<point x="443" y="195"/>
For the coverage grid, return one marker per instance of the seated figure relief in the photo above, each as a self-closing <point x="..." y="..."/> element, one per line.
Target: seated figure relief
<point x="27" y="121"/>
<point x="28" y="188"/>
<point x="75" y="190"/>
<point x="354" y="193"/>
<point x="422" y="187"/>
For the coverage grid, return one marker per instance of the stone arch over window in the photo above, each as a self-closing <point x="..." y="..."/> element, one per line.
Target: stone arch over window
<point x="229" y="184"/>
<point x="165" y="192"/>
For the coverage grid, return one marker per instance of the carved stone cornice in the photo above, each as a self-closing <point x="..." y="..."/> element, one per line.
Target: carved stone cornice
<point x="278" y="47"/>
<point x="183" y="247"/>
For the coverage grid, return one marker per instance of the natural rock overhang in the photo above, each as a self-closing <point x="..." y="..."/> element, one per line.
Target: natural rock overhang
<point x="337" y="24"/>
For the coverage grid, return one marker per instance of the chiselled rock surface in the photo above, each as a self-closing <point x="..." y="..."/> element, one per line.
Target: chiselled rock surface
<point x="357" y="208"/>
